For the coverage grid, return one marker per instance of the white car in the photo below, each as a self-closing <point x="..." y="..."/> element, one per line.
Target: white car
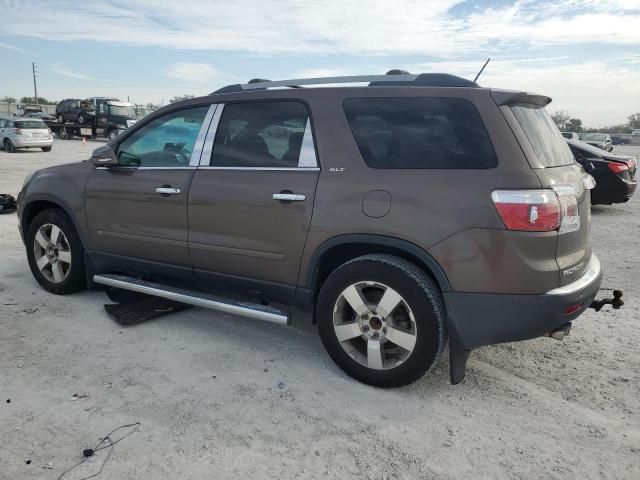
<point x="24" y="133"/>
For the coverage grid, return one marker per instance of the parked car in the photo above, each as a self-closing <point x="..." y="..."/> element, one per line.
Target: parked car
<point x="18" y="132"/>
<point x="614" y="174"/>
<point x="75" y="110"/>
<point x="571" y="135"/>
<point x="616" y="140"/>
<point x="412" y="211"/>
<point x="600" y="140"/>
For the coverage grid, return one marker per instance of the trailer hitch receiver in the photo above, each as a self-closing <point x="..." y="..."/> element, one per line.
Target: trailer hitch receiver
<point x="616" y="302"/>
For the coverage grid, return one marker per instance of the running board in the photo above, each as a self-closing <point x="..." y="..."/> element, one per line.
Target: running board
<point x="246" y="309"/>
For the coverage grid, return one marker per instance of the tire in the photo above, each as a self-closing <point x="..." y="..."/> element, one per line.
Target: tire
<point x="9" y="147"/>
<point x="417" y="321"/>
<point x="57" y="266"/>
<point x="81" y="118"/>
<point x="60" y="118"/>
<point x="46" y="149"/>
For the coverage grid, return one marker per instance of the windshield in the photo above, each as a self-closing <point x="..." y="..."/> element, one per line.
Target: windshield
<point x="594" y="137"/>
<point x="122" y="111"/>
<point x="30" y="124"/>
<point x="545" y="138"/>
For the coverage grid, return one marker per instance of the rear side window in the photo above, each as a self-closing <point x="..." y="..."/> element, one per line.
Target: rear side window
<point x="545" y="138"/>
<point x="421" y="132"/>
<point x="264" y="135"/>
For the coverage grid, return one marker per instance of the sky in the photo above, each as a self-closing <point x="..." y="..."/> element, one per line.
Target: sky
<point x="585" y="54"/>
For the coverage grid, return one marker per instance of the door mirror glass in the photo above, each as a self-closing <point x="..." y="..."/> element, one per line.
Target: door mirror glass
<point x="104" y="156"/>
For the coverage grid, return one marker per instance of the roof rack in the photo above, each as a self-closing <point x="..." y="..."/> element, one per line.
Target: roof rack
<point x="393" y="78"/>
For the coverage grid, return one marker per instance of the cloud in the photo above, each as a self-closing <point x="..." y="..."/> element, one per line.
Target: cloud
<point x="192" y="72"/>
<point x="60" y="69"/>
<point x="301" y="27"/>
<point x="13" y="47"/>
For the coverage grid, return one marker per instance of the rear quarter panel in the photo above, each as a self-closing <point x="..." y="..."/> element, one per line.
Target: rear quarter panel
<point x="428" y="207"/>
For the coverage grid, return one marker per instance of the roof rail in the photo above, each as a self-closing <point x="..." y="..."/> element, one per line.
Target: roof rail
<point x="391" y="79"/>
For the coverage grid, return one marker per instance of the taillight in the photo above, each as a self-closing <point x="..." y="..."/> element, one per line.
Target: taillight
<point x="539" y="210"/>
<point x="617" y="167"/>
<point x="528" y="210"/>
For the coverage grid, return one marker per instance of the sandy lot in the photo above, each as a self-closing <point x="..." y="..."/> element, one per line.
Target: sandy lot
<point x="226" y="397"/>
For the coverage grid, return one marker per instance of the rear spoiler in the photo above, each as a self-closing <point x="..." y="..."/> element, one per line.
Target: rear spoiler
<point x="510" y="97"/>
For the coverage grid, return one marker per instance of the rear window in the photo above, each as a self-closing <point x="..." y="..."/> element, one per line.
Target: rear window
<point x="545" y="138"/>
<point x="30" y="124"/>
<point x="419" y="133"/>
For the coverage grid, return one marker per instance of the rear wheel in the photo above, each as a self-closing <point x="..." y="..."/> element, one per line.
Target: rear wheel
<point x="382" y="320"/>
<point x="60" y="118"/>
<point x="46" y="149"/>
<point x="55" y="253"/>
<point x="81" y="118"/>
<point x="9" y="146"/>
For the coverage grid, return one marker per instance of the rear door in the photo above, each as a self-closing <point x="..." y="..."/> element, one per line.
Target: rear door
<point x="251" y="199"/>
<point x="556" y="168"/>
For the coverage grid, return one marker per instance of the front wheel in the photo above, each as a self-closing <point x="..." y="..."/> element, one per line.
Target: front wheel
<point x="55" y="253"/>
<point x="382" y="320"/>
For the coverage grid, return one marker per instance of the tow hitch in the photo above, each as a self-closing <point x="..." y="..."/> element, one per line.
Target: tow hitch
<point x="616" y="302"/>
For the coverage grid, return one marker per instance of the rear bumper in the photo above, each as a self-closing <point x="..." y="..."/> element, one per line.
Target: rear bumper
<point x="32" y="142"/>
<point x="485" y="319"/>
<point x="613" y="190"/>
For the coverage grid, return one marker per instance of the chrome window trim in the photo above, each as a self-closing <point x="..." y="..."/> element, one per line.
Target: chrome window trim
<point x="207" y="148"/>
<point x="202" y="134"/>
<point x="307" y="158"/>
<point x="265" y="169"/>
<point x="117" y="167"/>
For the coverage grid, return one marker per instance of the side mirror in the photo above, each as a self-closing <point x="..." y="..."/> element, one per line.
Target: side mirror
<point x="104" y="156"/>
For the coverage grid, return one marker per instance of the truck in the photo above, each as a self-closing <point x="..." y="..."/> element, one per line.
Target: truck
<point x="108" y="118"/>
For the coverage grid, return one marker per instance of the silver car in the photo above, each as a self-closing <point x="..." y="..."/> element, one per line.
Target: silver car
<point x="24" y="133"/>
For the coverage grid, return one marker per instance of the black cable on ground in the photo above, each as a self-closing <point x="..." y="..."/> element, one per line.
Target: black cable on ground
<point x="105" y="442"/>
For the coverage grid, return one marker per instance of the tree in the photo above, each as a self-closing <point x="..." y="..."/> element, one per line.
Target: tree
<point x="560" y="118"/>
<point x="180" y="97"/>
<point x="574" y="125"/>
<point x="8" y="100"/>
<point x="41" y="100"/>
<point x="634" y="121"/>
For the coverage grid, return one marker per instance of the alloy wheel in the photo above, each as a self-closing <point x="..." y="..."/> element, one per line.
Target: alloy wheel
<point x="374" y="325"/>
<point x="52" y="253"/>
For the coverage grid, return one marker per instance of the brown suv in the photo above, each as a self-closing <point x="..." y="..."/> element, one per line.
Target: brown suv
<point x="412" y="211"/>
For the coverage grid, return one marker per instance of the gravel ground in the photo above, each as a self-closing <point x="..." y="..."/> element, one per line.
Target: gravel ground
<point x="225" y="397"/>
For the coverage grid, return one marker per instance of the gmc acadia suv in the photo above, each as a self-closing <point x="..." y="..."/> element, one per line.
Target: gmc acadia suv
<point x="405" y="213"/>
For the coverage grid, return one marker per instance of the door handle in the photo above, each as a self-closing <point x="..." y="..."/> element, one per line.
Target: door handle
<point x="289" y="197"/>
<point x="168" y="190"/>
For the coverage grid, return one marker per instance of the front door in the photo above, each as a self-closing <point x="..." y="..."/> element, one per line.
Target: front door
<point x="137" y="211"/>
<point x="251" y="199"/>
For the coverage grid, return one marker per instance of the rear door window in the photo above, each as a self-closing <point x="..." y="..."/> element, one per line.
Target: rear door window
<point x="545" y="138"/>
<point x="264" y="135"/>
<point x="419" y="133"/>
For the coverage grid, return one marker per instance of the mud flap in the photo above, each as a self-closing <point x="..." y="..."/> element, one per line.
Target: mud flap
<point x="458" y="355"/>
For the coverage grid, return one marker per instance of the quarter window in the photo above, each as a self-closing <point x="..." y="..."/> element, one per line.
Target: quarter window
<point x="264" y="135"/>
<point x="165" y="142"/>
<point x="418" y="133"/>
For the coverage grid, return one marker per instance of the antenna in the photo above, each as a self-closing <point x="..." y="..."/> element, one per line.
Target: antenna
<point x="482" y="69"/>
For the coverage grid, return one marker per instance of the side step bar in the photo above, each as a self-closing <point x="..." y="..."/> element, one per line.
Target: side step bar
<point x="246" y="309"/>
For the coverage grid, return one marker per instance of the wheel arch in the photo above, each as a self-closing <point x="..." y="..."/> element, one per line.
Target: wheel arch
<point x="339" y="249"/>
<point x="40" y="203"/>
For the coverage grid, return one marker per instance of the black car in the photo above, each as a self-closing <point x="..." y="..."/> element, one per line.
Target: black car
<point x="614" y="174"/>
<point x="75" y="110"/>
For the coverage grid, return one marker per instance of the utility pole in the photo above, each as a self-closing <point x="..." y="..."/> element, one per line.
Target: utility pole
<point x="35" y="86"/>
